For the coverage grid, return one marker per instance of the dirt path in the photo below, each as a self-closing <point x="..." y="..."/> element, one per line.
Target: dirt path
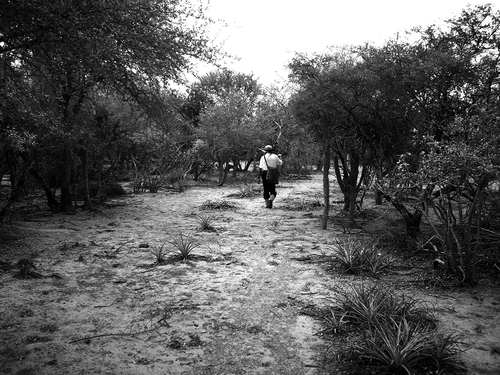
<point x="238" y="307"/>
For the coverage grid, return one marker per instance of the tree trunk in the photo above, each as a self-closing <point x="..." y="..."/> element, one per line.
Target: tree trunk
<point x="51" y="200"/>
<point x="326" y="186"/>
<point x="222" y="167"/>
<point x="248" y="164"/>
<point x="474" y="213"/>
<point x="352" y="179"/>
<point x="412" y="220"/>
<point x="347" y="179"/>
<point x="236" y="164"/>
<point x="87" y="204"/>
<point x="65" y="204"/>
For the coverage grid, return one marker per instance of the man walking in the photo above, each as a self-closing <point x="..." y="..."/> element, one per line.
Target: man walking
<point x="269" y="160"/>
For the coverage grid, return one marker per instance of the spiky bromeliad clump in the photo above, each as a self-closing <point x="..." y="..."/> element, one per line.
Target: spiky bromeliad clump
<point x="184" y="244"/>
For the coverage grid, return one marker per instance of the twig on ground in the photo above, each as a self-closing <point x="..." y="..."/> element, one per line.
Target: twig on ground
<point x="112" y="303"/>
<point x="88" y="338"/>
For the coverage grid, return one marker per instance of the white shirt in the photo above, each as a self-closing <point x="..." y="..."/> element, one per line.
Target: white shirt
<point x="272" y="160"/>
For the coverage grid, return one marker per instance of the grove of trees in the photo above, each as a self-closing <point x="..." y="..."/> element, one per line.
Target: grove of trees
<point x="90" y="93"/>
<point x="419" y="117"/>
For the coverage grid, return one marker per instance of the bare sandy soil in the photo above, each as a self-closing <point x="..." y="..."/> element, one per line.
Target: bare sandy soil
<point x="237" y="306"/>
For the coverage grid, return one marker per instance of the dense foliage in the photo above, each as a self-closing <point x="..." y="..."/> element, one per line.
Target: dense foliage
<point x="418" y="116"/>
<point x="63" y="60"/>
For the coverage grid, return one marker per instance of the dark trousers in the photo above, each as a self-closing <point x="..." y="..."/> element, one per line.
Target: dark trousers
<point x="269" y="187"/>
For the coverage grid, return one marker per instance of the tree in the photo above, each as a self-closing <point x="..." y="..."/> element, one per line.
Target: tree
<point x="310" y="105"/>
<point x="276" y="125"/>
<point x="452" y="79"/>
<point x="225" y="122"/>
<point x="58" y="55"/>
<point x="355" y="120"/>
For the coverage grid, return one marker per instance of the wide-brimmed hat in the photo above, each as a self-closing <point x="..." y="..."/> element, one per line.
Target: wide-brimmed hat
<point x="268" y="148"/>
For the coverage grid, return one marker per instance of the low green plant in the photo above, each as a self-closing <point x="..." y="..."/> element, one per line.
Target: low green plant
<point x="375" y="262"/>
<point x="184" y="244"/>
<point x="408" y="347"/>
<point x="335" y="321"/>
<point x="245" y="191"/>
<point x="368" y="303"/>
<point x="205" y="222"/>
<point x="26" y="267"/>
<point x="396" y="345"/>
<point x="446" y="351"/>
<point x="356" y="256"/>
<point x="220" y="204"/>
<point x="349" y="251"/>
<point x="392" y="331"/>
<point x="159" y="253"/>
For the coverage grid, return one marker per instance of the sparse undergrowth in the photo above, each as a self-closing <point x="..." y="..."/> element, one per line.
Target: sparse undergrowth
<point x="391" y="333"/>
<point x="205" y="221"/>
<point x="220" y="204"/>
<point x="184" y="245"/>
<point x="245" y="191"/>
<point x="356" y="256"/>
<point x="160" y="254"/>
<point x="302" y="205"/>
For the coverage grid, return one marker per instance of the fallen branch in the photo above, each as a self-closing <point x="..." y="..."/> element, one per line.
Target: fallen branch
<point x="99" y="306"/>
<point x="88" y="338"/>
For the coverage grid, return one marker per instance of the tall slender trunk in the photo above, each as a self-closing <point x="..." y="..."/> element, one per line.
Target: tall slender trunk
<point x="236" y="163"/>
<point x="65" y="204"/>
<point x="474" y="214"/>
<point x="87" y="204"/>
<point x="353" y="187"/>
<point x="326" y="185"/>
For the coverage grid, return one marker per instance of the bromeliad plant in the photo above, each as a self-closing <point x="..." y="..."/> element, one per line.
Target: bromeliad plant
<point x="356" y="256"/>
<point x="393" y="332"/>
<point x="184" y="244"/>
<point x="366" y="304"/>
<point x="349" y="252"/>
<point x="401" y="346"/>
<point x="334" y="321"/>
<point x="159" y="253"/>
<point x="205" y="220"/>
<point x="396" y="345"/>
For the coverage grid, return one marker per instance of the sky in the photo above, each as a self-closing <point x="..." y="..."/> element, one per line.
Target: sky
<point x="265" y="34"/>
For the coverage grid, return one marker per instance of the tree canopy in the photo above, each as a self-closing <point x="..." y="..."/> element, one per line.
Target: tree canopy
<point x="58" y="56"/>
